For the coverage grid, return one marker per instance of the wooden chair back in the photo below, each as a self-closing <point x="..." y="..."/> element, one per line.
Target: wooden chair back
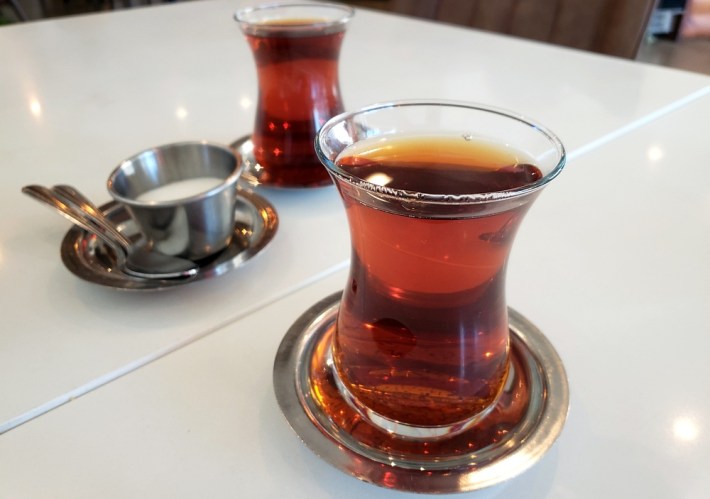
<point x="614" y="27"/>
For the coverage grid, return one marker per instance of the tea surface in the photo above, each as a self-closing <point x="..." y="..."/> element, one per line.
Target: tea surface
<point x="439" y="164"/>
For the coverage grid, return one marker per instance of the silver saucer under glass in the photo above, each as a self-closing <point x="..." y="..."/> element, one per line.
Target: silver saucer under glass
<point x="525" y="423"/>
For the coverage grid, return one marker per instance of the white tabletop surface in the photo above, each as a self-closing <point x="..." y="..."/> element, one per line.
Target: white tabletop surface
<point x="611" y="261"/>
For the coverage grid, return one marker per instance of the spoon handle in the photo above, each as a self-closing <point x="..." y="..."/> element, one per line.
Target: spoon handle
<point x="136" y="261"/>
<point x="47" y="197"/>
<point x="92" y="212"/>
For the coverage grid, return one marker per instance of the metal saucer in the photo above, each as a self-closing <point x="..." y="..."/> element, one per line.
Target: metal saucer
<point x="89" y="259"/>
<point x="253" y="173"/>
<point x="523" y="426"/>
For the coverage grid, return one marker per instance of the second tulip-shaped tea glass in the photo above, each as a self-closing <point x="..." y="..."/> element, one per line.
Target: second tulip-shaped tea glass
<point x="296" y="48"/>
<point x="434" y="194"/>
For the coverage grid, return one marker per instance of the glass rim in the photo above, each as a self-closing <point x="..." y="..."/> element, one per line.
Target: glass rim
<point x="408" y="195"/>
<point x="347" y="13"/>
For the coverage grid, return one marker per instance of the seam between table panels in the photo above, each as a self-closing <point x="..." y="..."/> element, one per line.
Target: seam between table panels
<point x="638" y="123"/>
<point x="106" y="378"/>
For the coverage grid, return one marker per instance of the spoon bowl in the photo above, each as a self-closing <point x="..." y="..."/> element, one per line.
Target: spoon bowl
<point x="137" y="260"/>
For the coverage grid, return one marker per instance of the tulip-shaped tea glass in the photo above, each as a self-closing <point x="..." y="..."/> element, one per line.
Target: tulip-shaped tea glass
<point x="434" y="194"/>
<point x="296" y="48"/>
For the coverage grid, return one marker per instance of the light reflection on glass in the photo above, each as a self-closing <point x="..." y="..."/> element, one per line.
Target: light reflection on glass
<point x="381" y="179"/>
<point x="685" y="429"/>
<point x="248" y="147"/>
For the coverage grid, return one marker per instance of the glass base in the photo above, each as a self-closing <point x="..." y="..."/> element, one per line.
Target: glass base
<point x="254" y="175"/>
<point x="390" y="426"/>
<point x="522" y="426"/>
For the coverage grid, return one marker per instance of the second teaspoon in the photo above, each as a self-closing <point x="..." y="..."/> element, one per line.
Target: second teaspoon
<point x="136" y="260"/>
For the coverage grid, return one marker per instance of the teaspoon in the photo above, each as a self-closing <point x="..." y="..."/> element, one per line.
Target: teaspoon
<point x="136" y="260"/>
<point x="140" y="258"/>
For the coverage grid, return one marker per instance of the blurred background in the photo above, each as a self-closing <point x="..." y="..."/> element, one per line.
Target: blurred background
<point x="674" y="33"/>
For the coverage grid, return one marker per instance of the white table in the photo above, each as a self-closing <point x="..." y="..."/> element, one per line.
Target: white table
<point x="612" y="259"/>
<point x="618" y="280"/>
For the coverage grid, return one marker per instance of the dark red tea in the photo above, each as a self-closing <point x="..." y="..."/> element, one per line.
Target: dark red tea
<point x="422" y="332"/>
<point x="298" y="92"/>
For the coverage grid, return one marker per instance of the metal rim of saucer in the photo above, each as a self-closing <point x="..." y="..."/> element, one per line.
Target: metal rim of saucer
<point x="530" y="440"/>
<point x="88" y="258"/>
<point x="253" y="172"/>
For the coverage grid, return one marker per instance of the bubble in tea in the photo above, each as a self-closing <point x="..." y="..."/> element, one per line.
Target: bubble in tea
<point x="422" y="331"/>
